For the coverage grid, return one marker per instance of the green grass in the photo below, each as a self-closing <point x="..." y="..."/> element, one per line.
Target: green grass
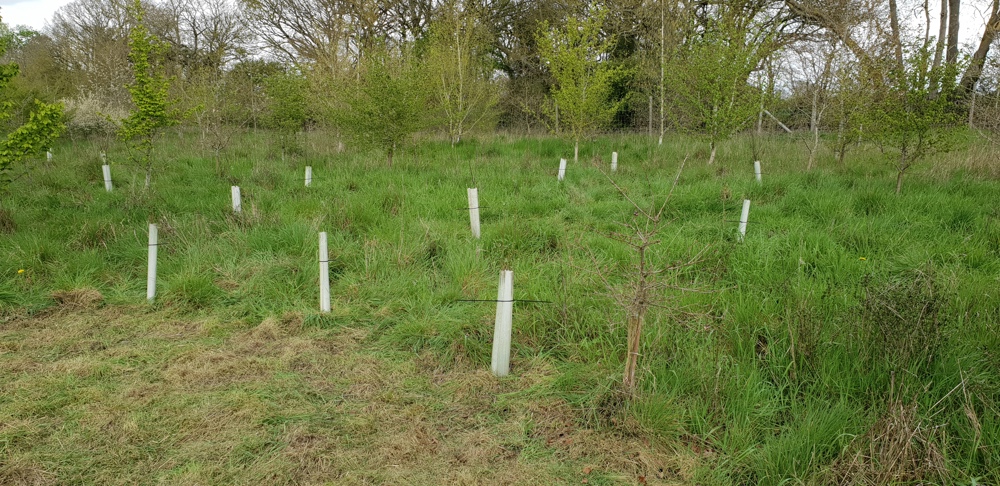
<point x="795" y="361"/>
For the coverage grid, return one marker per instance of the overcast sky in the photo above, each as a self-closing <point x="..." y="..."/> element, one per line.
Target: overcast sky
<point x="34" y="13"/>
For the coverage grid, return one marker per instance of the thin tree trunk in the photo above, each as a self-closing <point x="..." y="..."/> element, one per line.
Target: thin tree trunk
<point x="894" y="25"/>
<point x="972" y="111"/>
<point x="635" y="321"/>
<point x="650" y="117"/>
<point x="975" y="69"/>
<point x="662" y="70"/>
<point x="841" y="134"/>
<point x="557" y="118"/>
<point x="927" y="21"/>
<point x="953" y="26"/>
<point x="814" y="125"/>
<point x="902" y="169"/>
<point x="711" y="157"/>
<point x="389" y="154"/>
<point x="576" y="150"/>
<point x="942" y="34"/>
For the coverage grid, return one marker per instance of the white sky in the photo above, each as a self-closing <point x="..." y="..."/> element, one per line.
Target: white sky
<point x="34" y="13"/>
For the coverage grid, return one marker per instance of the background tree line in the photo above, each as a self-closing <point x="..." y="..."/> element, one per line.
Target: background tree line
<point x="378" y="71"/>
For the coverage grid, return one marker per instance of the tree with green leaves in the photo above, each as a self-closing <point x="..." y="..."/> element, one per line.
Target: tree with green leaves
<point x="709" y="81"/>
<point x="385" y="105"/>
<point x="153" y="110"/>
<point x="287" y="108"/>
<point x="44" y="124"/>
<point x="576" y="55"/>
<point x="912" y="115"/>
<point x="458" y="70"/>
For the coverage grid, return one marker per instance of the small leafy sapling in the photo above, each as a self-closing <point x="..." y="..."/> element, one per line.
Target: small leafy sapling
<point x="913" y="116"/>
<point x="153" y="110"/>
<point x="711" y="92"/>
<point x="386" y="104"/>
<point x="45" y="123"/>
<point x="577" y="57"/>
<point x="288" y="109"/>
<point x="459" y="72"/>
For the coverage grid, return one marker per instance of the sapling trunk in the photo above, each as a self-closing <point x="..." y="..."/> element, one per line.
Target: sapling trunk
<point x="576" y="151"/>
<point x="635" y="322"/>
<point x="711" y="157"/>
<point x="903" y="165"/>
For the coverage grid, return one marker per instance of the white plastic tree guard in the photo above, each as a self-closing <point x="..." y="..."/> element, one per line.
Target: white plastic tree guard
<point x="106" y="169"/>
<point x="614" y="161"/>
<point x="237" y="200"/>
<point x="562" y="169"/>
<point x="502" y="328"/>
<point x="756" y="170"/>
<point x="48" y="155"/>
<point x="324" y="274"/>
<point x="474" y="210"/>
<point x="309" y="175"/>
<point x="151" y="269"/>
<point x="744" y="216"/>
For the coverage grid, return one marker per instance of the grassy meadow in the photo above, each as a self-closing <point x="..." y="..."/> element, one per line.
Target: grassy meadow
<point x="852" y="337"/>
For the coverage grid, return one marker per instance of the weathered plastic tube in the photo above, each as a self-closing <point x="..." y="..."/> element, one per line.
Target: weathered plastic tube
<point x="237" y="200"/>
<point x="324" y="274"/>
<point x="744" y="216"/>
<point x="614" y="161"/>
<point x="756" y="170"/>
<point x="309" y="175"/>
<point x="474" y="210"/>
<point x="502" y="328"/>
<point x="562" y="169"/>
<point x="151" y="269"/>
<point x="106" y="169"/>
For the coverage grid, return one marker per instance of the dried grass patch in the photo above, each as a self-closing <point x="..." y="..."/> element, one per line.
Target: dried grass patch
<point x="85" y="298"/>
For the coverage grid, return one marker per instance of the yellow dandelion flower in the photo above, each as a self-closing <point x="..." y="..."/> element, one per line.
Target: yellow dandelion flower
<point x="20" y="270"/>
<point x="863" y="259"/>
